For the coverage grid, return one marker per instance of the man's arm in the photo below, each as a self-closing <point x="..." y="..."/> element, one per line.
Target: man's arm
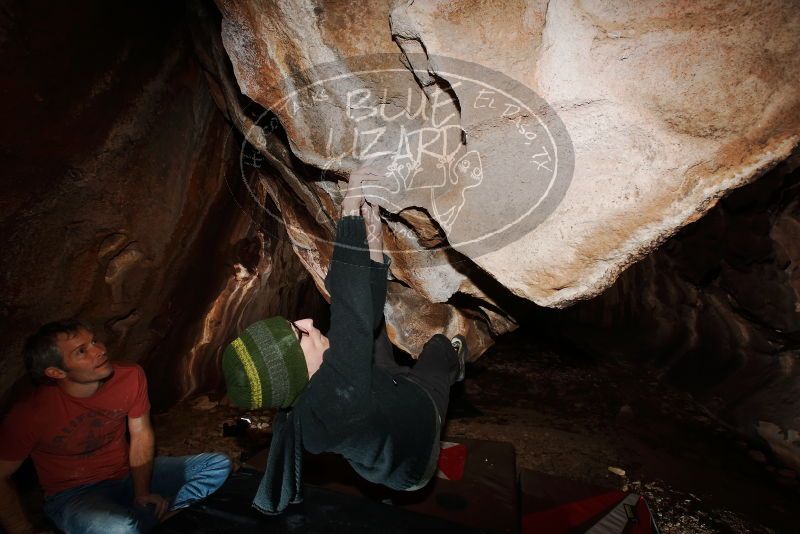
<point x="142" y="452"/>
<point x="377" y="283"/>
<point x="343" y="380"/>
<point x="374" y="227"/>
<point x="379" y="262"/>
<point x="12" y="516"/>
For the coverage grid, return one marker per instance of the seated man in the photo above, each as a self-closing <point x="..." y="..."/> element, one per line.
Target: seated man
<point x="73" y="427"/>
<point x="344" y="393"/>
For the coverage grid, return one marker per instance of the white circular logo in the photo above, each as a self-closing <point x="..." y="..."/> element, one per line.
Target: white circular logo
<point x="461" y="148"/>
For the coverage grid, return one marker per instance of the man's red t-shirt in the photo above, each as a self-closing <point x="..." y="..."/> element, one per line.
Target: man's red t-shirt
<point x="75" y="441"/>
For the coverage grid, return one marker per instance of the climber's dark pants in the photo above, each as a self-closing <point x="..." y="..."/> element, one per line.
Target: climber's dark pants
<point x="435" y="370"/>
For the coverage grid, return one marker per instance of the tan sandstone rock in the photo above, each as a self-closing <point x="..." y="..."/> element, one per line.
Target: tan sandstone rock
<point x="664" y="107"/>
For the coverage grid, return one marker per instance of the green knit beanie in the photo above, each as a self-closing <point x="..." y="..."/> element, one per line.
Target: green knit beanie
<point x="265" y="367"/>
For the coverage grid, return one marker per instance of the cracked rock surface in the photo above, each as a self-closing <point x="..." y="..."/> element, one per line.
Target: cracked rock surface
<point x="665" y="108"/>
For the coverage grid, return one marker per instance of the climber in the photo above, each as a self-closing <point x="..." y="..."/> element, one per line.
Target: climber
<point x="344" y="392"/>
<point x="73" y="426"/>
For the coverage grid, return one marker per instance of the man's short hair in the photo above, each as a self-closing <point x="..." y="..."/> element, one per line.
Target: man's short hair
<point x="41" y="351"/>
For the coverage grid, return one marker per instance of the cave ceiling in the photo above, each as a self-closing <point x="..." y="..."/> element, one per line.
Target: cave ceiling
<point x="530" y="150"/>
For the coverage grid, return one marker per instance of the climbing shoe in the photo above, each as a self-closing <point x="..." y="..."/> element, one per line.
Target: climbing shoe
<point x="459" y="343"/>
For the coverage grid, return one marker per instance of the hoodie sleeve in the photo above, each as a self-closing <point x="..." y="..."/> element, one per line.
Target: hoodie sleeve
<point x="343" y="380"/>
<point x="281" y="484"/>
<point x="378" y="274"/>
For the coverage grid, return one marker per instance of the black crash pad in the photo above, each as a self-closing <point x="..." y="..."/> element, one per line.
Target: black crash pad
<point x="323" y="511"/>
<point x="484" y="496"/>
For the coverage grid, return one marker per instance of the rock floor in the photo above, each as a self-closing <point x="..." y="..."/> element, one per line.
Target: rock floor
<point x="609" y="423"/>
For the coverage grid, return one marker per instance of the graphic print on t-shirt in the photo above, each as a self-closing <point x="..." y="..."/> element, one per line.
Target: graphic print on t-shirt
<point x="88" y="432"/>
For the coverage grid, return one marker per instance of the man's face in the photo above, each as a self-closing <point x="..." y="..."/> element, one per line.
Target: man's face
<point x="313" y="343"/>
<point x="85" y="359"/>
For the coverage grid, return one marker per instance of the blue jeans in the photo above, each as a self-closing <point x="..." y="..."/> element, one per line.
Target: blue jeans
<point x="107" y="507"/>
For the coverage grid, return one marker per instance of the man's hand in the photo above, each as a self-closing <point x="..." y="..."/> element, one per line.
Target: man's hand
<point x="355" y="204"/>
<point x="161" y="504"/>
<point x="374" y="226"/>
<point x="354" y="196"/>
<point x="141" y="453"/>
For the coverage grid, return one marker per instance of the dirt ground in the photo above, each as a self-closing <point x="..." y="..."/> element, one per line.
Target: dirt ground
<point x="609" y="423"/>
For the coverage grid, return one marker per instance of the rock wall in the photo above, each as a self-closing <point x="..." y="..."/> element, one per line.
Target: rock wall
<point x="718" y="309"/>
<point x="663" y="108"/>
<point x="116" y="205"/>
<point x="154" y="188"/>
